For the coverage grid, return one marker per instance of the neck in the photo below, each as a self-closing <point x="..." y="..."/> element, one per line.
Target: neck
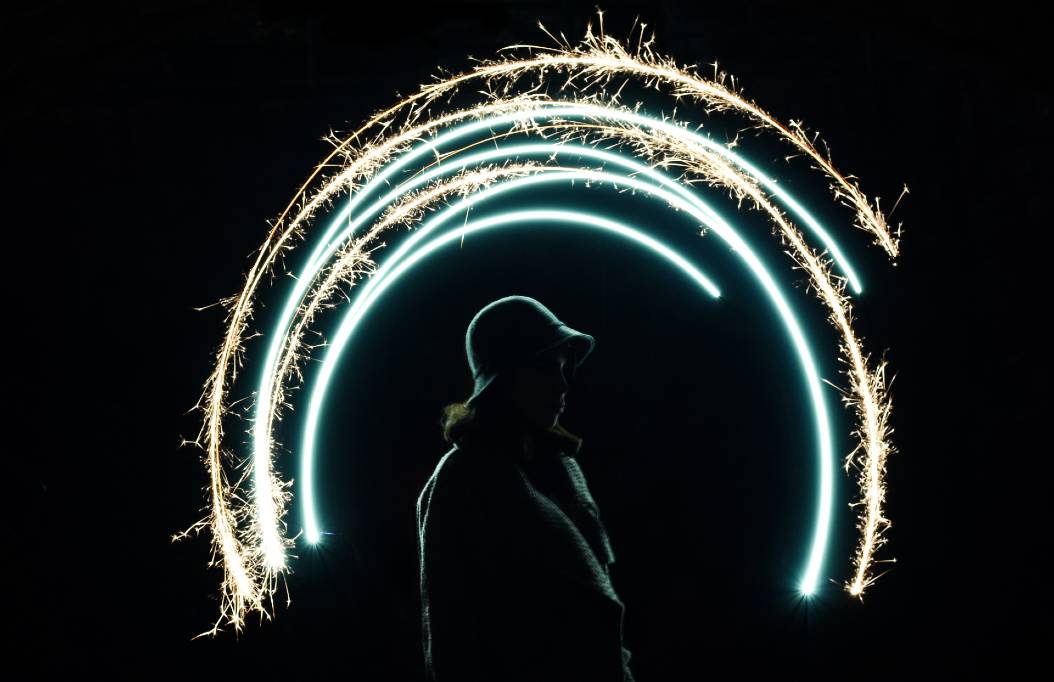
<point x="522" y="435"/>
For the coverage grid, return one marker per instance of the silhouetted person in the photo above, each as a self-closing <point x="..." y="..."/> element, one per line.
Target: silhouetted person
<point x="514" y="577"/>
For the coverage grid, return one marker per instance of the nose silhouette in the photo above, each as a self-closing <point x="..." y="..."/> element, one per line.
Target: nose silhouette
<point x="567" y="374"/>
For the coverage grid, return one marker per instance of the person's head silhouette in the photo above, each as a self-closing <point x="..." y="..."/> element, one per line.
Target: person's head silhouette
<point x="522" y="359"/>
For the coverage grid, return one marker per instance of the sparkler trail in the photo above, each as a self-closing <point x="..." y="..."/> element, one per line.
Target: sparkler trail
<point x="424" y="160"/>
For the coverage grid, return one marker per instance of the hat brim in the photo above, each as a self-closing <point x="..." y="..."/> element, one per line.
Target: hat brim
<point x="581" y="344"/>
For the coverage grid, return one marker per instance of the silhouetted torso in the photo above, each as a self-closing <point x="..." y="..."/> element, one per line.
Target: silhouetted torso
<point x="514" y="579"/>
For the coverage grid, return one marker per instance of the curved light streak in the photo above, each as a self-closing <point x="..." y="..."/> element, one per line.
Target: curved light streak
<point x="245" y="536"/>
<point x="550" y="110"/>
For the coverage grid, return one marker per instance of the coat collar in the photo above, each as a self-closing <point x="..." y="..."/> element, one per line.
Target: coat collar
<point x="582" y="560"/>
<point x="580" y="551"/>
<point x="552" y="443"/>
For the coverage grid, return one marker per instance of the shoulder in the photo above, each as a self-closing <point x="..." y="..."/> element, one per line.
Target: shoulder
<point x="461" y="467"/>
<point x="463" y="473"/>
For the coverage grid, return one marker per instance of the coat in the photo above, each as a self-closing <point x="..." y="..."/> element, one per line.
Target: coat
<point x="514" y="576"/>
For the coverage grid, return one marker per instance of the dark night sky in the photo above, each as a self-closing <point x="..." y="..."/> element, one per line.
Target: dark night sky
<point x="148" y="146"/>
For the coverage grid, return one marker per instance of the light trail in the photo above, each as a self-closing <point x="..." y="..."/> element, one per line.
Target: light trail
<point x="247" y="534"/>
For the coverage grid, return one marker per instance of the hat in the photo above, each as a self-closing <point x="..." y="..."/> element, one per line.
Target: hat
<point x="513" y="330"/>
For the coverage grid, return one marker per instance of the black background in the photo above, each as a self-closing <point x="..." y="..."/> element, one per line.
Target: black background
<point x="148" y="145"/>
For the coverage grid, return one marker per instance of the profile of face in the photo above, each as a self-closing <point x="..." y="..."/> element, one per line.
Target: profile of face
<point x="538" y="391"/>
